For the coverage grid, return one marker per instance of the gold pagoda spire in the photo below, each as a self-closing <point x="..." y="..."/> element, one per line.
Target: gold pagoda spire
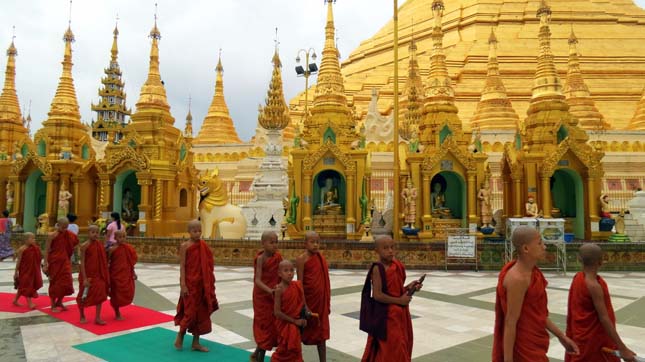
<point x="330" y="88"/>
<point x="546" y="84"/>
<point x="581" y="105"/>
<point x="637" y="123"/>
<point x="115" y="48"/>
<point x="9" y="104"/>
<point x="413" y="95"/>
<point x="275" y="114"/>
<point x="188" y="130"/>
<point x="153" y="93"/>
<point x="218" y="127"/>
<point x="439" y="86"/>
<point x="494" y="110"/>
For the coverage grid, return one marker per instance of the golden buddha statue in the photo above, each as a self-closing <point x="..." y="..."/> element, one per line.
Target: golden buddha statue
<point x="438" y="199"/>
<point x="329" y="204"/>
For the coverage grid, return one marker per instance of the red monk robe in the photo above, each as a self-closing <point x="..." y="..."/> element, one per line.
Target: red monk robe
<point x="123" y="257"/>
<point x="59" y="265"/>
<point x="583" y="325"/>
<point x="264" y="330"/>
<point x="29" y="276"/>
<point x="96" y="270"/>
<point x="397" y="346"/>
<point x="318" y="296"/>
<point x="289" y="344"/>
<point x="532" y="338"/>
<point x="194" y="310"/>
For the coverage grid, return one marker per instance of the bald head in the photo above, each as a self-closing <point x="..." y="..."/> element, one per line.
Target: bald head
<point x="285" y="263"/>
<point x="382" y="240"/>
<point x="193" y="224"/>
<point x="93" y="227"/>
<point x="310" y="235"/>
<point x="63" y="222"/>
<point x="268" y="235"/>
<point x="523" y="235"/>
<point x="590" y="254"/>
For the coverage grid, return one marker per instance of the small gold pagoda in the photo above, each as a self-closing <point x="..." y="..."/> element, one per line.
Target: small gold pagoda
<point x="326" y="171"/>
<point x="111" y="110"/>
<point x="14" y="137"/>
<point x="445" y="170"/>
<point x="551" y="160"/>
<point x="149" y="175"/>
<point x="218" y="127"/>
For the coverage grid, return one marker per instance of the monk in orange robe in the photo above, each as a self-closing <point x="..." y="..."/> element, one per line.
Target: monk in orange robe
<point x="27" y="276"/>
<point x="122" y="257"/>
<point x="266" y="280"/>
<point x="289" y="303"/>
<point x="197" y="280"/>
<point x="94" y="279"/>
<point x="389" y="289"/>
<point x="58" y="251"/>
<point x="521" y="313"/>
<point x="313" y="272"/>
<point x="591" y="322"/>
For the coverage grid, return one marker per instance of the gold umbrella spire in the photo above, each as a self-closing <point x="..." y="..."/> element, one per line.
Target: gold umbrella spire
<point x="9" y="104"/>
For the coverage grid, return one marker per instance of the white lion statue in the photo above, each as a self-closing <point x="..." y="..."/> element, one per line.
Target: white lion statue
<point x="219" y="218"/>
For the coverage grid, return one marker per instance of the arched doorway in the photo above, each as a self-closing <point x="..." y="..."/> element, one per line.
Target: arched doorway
<point x="329" y="193"/>
<point x="127" y="195"/>
<point x="448" y="196"/>
<point x="567" y="193"/>
<point x="35" y="200"/>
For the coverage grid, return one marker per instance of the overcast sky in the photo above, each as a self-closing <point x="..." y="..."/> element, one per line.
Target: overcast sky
<point x="192" y="33"/>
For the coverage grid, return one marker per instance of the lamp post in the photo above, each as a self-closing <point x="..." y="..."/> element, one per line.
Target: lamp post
<point x="306" y="71"/>
<point x="397" y="168"/>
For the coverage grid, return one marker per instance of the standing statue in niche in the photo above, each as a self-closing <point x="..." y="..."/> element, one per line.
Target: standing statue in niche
<point x="293" y="207"/>
<point x="409" y="195"/>
<point x="9" y="195"/>
<point x="63" y="200"/>
<point x="531" y="208"/>
<point x="363" y="201"/>
<point x="127" y="205"/>
<point x="485" y="206"/>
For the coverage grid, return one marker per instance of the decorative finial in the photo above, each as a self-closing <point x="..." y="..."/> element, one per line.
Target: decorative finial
<point x="277" y="43"/>
<point x="13" y="33"/>
<point x="572" y="37"/>
<point x="492" y="38"/>
<point x="12" y="48"/>
<point x="155" y="33"/>
<point x="189" y="116"/>
<point x="116" y="26"/>
<point x="69" y="21"/>
<point x="190" y="101"/>
<point x="219" y="67"/>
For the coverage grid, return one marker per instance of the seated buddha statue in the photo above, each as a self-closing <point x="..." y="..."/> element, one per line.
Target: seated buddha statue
<point x="329" y="198"/>
<point x="438" y="201"/>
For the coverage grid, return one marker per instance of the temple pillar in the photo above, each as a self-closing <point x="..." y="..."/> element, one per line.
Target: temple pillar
<point x="351" y="200"/>
<point x="593" y="199"/>
<point x="546" y="197"/>
<point x="158" y="199"/>
<point x="517" y="197"/>
<point x="145" y="182"/>
<point x="17" y="208"/>
<point x="425" y="195"/>
<point x="472" y="188"/>
<point x="506" y="197"/>
<point x="104" y="189"/>
<point x="307" y="191"/>
<point x="75" y="190"/>
<point x="50" y="199"/>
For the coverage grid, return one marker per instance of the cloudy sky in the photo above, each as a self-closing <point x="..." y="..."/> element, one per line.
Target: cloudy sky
<point x="192" y="31"/>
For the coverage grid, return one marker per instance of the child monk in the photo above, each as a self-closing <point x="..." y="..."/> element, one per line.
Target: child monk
<point x="521" y="313"/>
<point x="27" y="276"/>
<point x="389" y="288"/>
<point x="197" y="280"/>
<point x="58" y="251"/>
<point x="93" y="279"/>
<point x="289" y="303"/>
<point x="314" y="275"/>
<point x="266" y="279"/>
<point x="122" y="258"/>
<point x="591" y="322"/>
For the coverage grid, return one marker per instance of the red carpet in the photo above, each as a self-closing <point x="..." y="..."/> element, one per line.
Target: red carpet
<point x="6" y="303"/>
<point x="135" y="317"/>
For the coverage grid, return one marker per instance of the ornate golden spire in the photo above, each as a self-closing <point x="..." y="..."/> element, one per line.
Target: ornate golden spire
<point x="153" y="93"/>
<point x="439" y="86"/>
<point x="9" y="105"/>
<point x="188" y="131"/>
<point x="546" y="84"/>
<point x="275" y="114"/>
<point x="218" y="127"/>
<point x="637" y="123"/>
<point x="115" y="48"/>
<point x="494" y="110"/>
<point x="330" y="90"/>
<point x="413" y="95"/>
<point x="581" y="105"/>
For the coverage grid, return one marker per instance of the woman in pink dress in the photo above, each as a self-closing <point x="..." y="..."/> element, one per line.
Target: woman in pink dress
<point x="114" y="226"/>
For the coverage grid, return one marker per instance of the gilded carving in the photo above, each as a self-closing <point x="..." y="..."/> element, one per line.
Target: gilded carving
<point x="310" y="161"/>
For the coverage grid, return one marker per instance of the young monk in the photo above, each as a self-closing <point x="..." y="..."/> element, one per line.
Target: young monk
<point x="289" y="303"/>
<point x="27" y="276"/>
<point x="197" y="280"/>
<point x="122" y="257"/>
<point x="397" y="344"/>
<point x="93" y="279"/>
<point x="521" y="314"/>
<point x="313" y="273"/>
<point x="266" y="279"/>
<point x="58" y="251"/>
<point x="591" y="322"/>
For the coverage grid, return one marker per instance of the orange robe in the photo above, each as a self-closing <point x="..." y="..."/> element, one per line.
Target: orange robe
<point x="289" y="344"/>
<point x="397" y="345"/>
<point x="531" y="338"/>
<point x="29" y="277"/>
<point x="194" y="311"/>
<point x="315" y="282"/>
<point x="60" y="267"/>
<point x="583" y="325"/>
<point x="122" y="260"/>
<point x="264" y="331"/>
<point x="96" y="270"/>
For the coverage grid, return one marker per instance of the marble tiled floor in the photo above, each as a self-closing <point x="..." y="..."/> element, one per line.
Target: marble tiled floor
<point x="454" y="315"/>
